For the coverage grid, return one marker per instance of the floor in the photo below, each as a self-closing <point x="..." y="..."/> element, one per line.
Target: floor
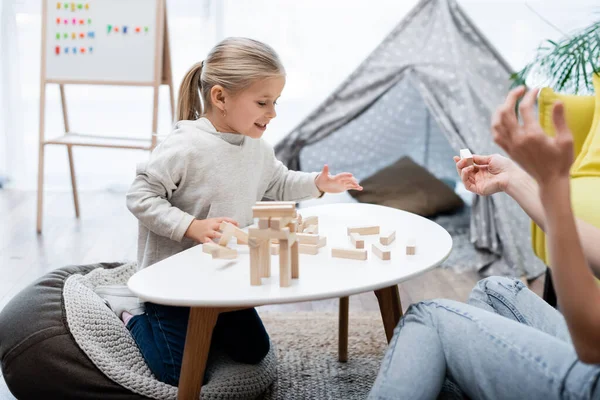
<point x="107" y="231"/>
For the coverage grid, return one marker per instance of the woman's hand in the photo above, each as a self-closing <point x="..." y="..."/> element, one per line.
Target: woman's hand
<point x="204" y="230"/>
<point x="490" y="174"/>
<point x="547" y="159"/>
<point x="336" y="183"/>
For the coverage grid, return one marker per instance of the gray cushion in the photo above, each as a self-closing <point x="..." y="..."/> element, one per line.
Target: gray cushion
<point x="41" y="357"/>
<point x="407" y="186"/>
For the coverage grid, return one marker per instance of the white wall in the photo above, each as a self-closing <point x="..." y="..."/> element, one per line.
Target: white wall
<point x="320" y="43"/>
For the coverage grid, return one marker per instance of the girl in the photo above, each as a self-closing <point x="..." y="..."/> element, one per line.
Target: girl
<point x="507" y="343"/>
<point x="213" y="167"/>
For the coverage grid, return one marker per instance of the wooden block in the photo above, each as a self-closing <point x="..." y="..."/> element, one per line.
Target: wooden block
<point x="225" y="253"/>
<point x="275" y="241"/>
<point x="265" y="259"/>
<point x="364" y="230"/>
<point x="349" y="253"/>
<point x="311" y="249"/>
<point x="225" y="238"/>
<point x="269" y="233"/>
<point x="254" y="242"/>
<point x="274" y="249"/>
<point x="274" y="211"/>
<point x="218" y="251"/>
<point x="313" y="229"/>
<point x="232" y="230"/>
<point x="295" y="260"/>
<point x="307" y="238"/>
<point x="285" y="268"/>
<point x="466" y="153"/>
<point x="293" y="225"/>
<point x="279" y="223"/>
<point x="312" y="220"/>
<point x="357" y="241"/>
<point x="411" y="247"/>
<point x="388" y="238"/>
<point x="322" y="241"/>
<point x="379" y="252"/>
<point x="263" y="223"/>
<point x="255" y="266"/>
<point x="275" y="203"/>
<point x="208" y="247"/>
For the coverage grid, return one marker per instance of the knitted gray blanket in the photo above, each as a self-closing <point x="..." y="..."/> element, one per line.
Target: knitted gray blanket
<point x="109" y="345"/>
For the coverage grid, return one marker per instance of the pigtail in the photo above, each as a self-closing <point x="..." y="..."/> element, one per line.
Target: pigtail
<point x="189" y="104"/>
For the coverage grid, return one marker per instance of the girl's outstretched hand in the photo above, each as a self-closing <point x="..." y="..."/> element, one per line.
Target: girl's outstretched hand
<point x="336" y="183"/>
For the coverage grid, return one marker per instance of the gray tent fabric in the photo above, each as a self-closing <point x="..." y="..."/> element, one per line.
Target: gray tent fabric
<point x="428" y="90"/>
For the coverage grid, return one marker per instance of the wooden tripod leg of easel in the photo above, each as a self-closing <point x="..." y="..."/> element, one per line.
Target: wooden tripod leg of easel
<point x="343" y="329"/>
<point x="63" y="102"/>
<point x="155" y="116"/>
<point x="42" y="136"/>
<point x="40" y="193"/>
<point x="167" y="70"/>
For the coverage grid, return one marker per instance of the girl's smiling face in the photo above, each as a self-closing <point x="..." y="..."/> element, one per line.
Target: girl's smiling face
<point x="249" y="111"/>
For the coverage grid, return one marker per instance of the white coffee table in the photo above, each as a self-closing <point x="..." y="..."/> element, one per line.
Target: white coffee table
<point x="193" y="279"/>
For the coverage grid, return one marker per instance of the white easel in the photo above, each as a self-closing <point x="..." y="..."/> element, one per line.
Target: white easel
<point x="162" y="76"/>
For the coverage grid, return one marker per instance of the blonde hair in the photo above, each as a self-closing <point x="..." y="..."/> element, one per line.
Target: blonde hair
<point x="235" y="63"/>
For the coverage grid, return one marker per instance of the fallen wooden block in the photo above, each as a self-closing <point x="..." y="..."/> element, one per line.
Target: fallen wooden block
<point x="379" y="252"/>
<point x="388" y="238"/>
<point x="218" y="251"/>
<point x="311" y="249"/>
<point x="466" y="153"/>
<point x="364" y="230"/>
<point x="307" y="238"/>
<point x="357" y="241"/>
<point x="411" y="247"/>
<point x="349" y="253"/>
<point x="312" y="229"/>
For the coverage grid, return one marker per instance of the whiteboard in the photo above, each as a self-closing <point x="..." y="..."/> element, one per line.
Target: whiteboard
<point x="101" y="40"/>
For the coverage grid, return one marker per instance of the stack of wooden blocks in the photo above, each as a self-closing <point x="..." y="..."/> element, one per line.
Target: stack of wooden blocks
<point x="276" y="220"/>
<point x="309" y="241"/>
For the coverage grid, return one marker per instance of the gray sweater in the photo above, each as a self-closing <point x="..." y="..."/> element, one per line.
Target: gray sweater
<point x="199" y="173"/>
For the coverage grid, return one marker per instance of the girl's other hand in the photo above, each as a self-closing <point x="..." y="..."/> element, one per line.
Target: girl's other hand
<point x="336" y="183"/>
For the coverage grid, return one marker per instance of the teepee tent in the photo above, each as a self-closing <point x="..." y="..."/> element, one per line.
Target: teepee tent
<point x="428" y="90"/>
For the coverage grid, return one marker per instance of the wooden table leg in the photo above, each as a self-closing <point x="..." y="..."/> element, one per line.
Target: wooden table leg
<point x="197" y="345"/>
<point x="390" y="307"/>
<point x="343" y="329"/>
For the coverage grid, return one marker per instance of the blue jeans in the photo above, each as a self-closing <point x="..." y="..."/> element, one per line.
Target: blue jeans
<point x="507" y="343"/>
<point x="160" y="334"/>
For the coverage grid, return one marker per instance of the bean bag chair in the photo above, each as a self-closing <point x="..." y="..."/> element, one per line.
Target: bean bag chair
<point x="58" y="339"/>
